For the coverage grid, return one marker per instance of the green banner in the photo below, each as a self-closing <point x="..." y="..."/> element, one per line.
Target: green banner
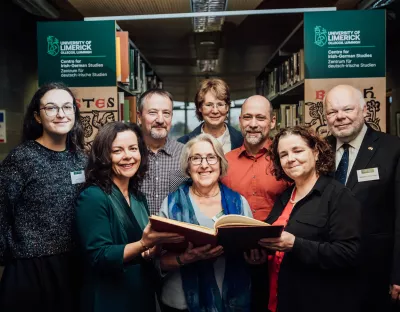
<point x="80" y="54"/>
<point x="345" y="44"/>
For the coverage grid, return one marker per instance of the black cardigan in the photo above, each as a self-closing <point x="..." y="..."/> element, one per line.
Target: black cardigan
<point x="319" y="273"/>
<point x="236" y="136"/>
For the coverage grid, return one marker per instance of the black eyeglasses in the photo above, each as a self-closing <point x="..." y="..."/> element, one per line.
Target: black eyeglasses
<point x="52" y="110"/>
<point x="197" y="160"/>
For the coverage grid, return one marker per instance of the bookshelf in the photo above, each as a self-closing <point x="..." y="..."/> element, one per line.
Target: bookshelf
<point x="137" y="75"/>
<point x="282" y="78"/>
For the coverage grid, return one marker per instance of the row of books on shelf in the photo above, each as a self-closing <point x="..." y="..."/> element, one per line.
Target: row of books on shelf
<point x="132" y="70"/>
<point x="289" y="115"/>
<point x="127" y="107"/>
<point x="284" y="75"/>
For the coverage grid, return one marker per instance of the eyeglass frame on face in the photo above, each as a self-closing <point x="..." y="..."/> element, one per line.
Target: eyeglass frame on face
<point x="52" y="106"/>
<point x="209" y="106"/>
<point x="203" y="157"/>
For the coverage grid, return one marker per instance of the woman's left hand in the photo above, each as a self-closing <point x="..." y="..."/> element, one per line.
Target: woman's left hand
<point x="283" y="243"/>
<point x="152" y="252"/>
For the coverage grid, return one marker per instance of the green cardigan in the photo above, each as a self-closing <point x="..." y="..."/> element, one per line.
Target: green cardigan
<point x="105" y="224"/>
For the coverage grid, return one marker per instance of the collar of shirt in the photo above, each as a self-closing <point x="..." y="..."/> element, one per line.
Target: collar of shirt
<point x="223" y="137"/>
<point x="356" y="143"/>
<point x="167" y="148"/>
<point x="243" y="152"/>
<point x="318" y="187"/>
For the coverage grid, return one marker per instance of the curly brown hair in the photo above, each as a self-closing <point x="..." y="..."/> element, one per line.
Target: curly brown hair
<point x="218" y="87"/>
<point x="99" y="168"/>
<point x="326" y="158"/>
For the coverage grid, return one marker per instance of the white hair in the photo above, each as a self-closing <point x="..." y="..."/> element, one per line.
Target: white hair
<point x="204" y="137"/>
<point x="355" y="90"/>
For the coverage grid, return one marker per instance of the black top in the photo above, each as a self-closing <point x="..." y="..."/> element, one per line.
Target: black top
<point x="319" y="274"/>
<point x="236" y="136"/>
<point x="37" y="201"/>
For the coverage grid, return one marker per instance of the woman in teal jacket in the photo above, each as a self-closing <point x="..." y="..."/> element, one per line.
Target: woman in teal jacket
<point x="112" y="225"/>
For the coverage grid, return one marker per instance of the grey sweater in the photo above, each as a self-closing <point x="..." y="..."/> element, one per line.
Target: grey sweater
<point x="37" y="201"/>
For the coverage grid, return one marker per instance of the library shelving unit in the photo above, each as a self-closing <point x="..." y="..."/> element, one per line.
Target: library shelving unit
<point x="282" y="79"/>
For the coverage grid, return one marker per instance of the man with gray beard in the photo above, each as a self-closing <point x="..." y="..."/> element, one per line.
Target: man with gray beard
<point x="248" y="171"/>
<point x="155" y="109"/>
<point x="249" y="174"/>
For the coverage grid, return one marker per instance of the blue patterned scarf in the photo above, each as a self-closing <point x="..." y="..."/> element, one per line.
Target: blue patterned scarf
<point x="198" y="280"/>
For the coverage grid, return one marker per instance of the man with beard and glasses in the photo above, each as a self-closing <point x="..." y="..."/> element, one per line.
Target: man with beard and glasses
<point x="163" y="175"/>
<point x="368" y="163"/>
<point x="249" y="174"/>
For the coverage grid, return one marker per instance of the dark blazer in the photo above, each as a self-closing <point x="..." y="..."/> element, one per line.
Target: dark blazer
<point x="380" y="202"/>
<point x="318" y="273"/>
<point x="236" y="136"/>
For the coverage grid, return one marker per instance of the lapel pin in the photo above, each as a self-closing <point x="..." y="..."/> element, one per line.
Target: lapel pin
<point x="370" y="148"/>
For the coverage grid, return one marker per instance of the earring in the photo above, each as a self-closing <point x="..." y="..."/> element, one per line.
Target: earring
<point x="37" y="119"/>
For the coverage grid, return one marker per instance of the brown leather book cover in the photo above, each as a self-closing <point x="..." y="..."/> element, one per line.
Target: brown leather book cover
<point x="233" y="232"/>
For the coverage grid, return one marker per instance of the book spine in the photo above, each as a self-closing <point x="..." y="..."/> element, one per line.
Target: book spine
<point x="118" y="57"/>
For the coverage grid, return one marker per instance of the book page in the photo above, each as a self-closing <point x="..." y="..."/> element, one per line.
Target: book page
<point x="238" y="220"/>
<point x="174" y="224"/>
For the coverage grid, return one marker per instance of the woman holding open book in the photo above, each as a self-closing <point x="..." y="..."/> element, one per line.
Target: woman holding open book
<point x="112" y="224"/>
<point x="316" y="256"/>
<point x="202" y="278"/>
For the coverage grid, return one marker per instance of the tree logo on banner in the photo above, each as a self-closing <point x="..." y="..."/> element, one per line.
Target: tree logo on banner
<point x="53" y="45"/>
<point x="321" y="36"/>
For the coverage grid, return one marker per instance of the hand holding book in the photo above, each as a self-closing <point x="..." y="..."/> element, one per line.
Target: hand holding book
<point x="151" y="238"/>
<point x="256" y="256"/>
<point x="206" y="252"/>
<point x="233" y="232"/>
<point x="283" y="243"/>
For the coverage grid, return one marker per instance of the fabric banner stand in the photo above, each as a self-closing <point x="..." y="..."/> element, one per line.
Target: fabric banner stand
<point x="345" y="47"/>
<point x="83" y="56"/>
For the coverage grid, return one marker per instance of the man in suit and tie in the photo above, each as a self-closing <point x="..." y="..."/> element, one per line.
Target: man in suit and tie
<point x="368" y="163"/>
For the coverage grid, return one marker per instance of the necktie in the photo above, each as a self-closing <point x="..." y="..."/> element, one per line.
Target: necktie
<point x="341" y="171"/>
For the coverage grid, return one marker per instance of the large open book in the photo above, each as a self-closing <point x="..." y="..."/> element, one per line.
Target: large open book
<point x="233" y="232"/>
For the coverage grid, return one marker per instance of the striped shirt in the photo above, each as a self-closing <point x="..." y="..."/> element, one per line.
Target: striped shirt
<point x="164" y="174"/>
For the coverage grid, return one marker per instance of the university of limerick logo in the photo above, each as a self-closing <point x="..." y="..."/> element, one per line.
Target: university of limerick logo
<point x="321" y="36"/>
<point x="53" y="45"/>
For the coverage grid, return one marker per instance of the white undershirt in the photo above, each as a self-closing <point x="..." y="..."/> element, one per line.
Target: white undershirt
<point x="224" y="139"/>
<point x="354" y="147"/>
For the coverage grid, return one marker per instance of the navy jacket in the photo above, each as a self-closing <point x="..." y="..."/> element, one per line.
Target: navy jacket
<point x="236" y="136"/>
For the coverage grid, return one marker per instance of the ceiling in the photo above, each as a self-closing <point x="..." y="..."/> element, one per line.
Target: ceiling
<point x="169" y="46"/>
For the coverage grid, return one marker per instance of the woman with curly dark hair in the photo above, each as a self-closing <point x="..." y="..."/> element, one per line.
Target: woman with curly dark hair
<point x="112" y="224"/>
<point x="316" y="256"/>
